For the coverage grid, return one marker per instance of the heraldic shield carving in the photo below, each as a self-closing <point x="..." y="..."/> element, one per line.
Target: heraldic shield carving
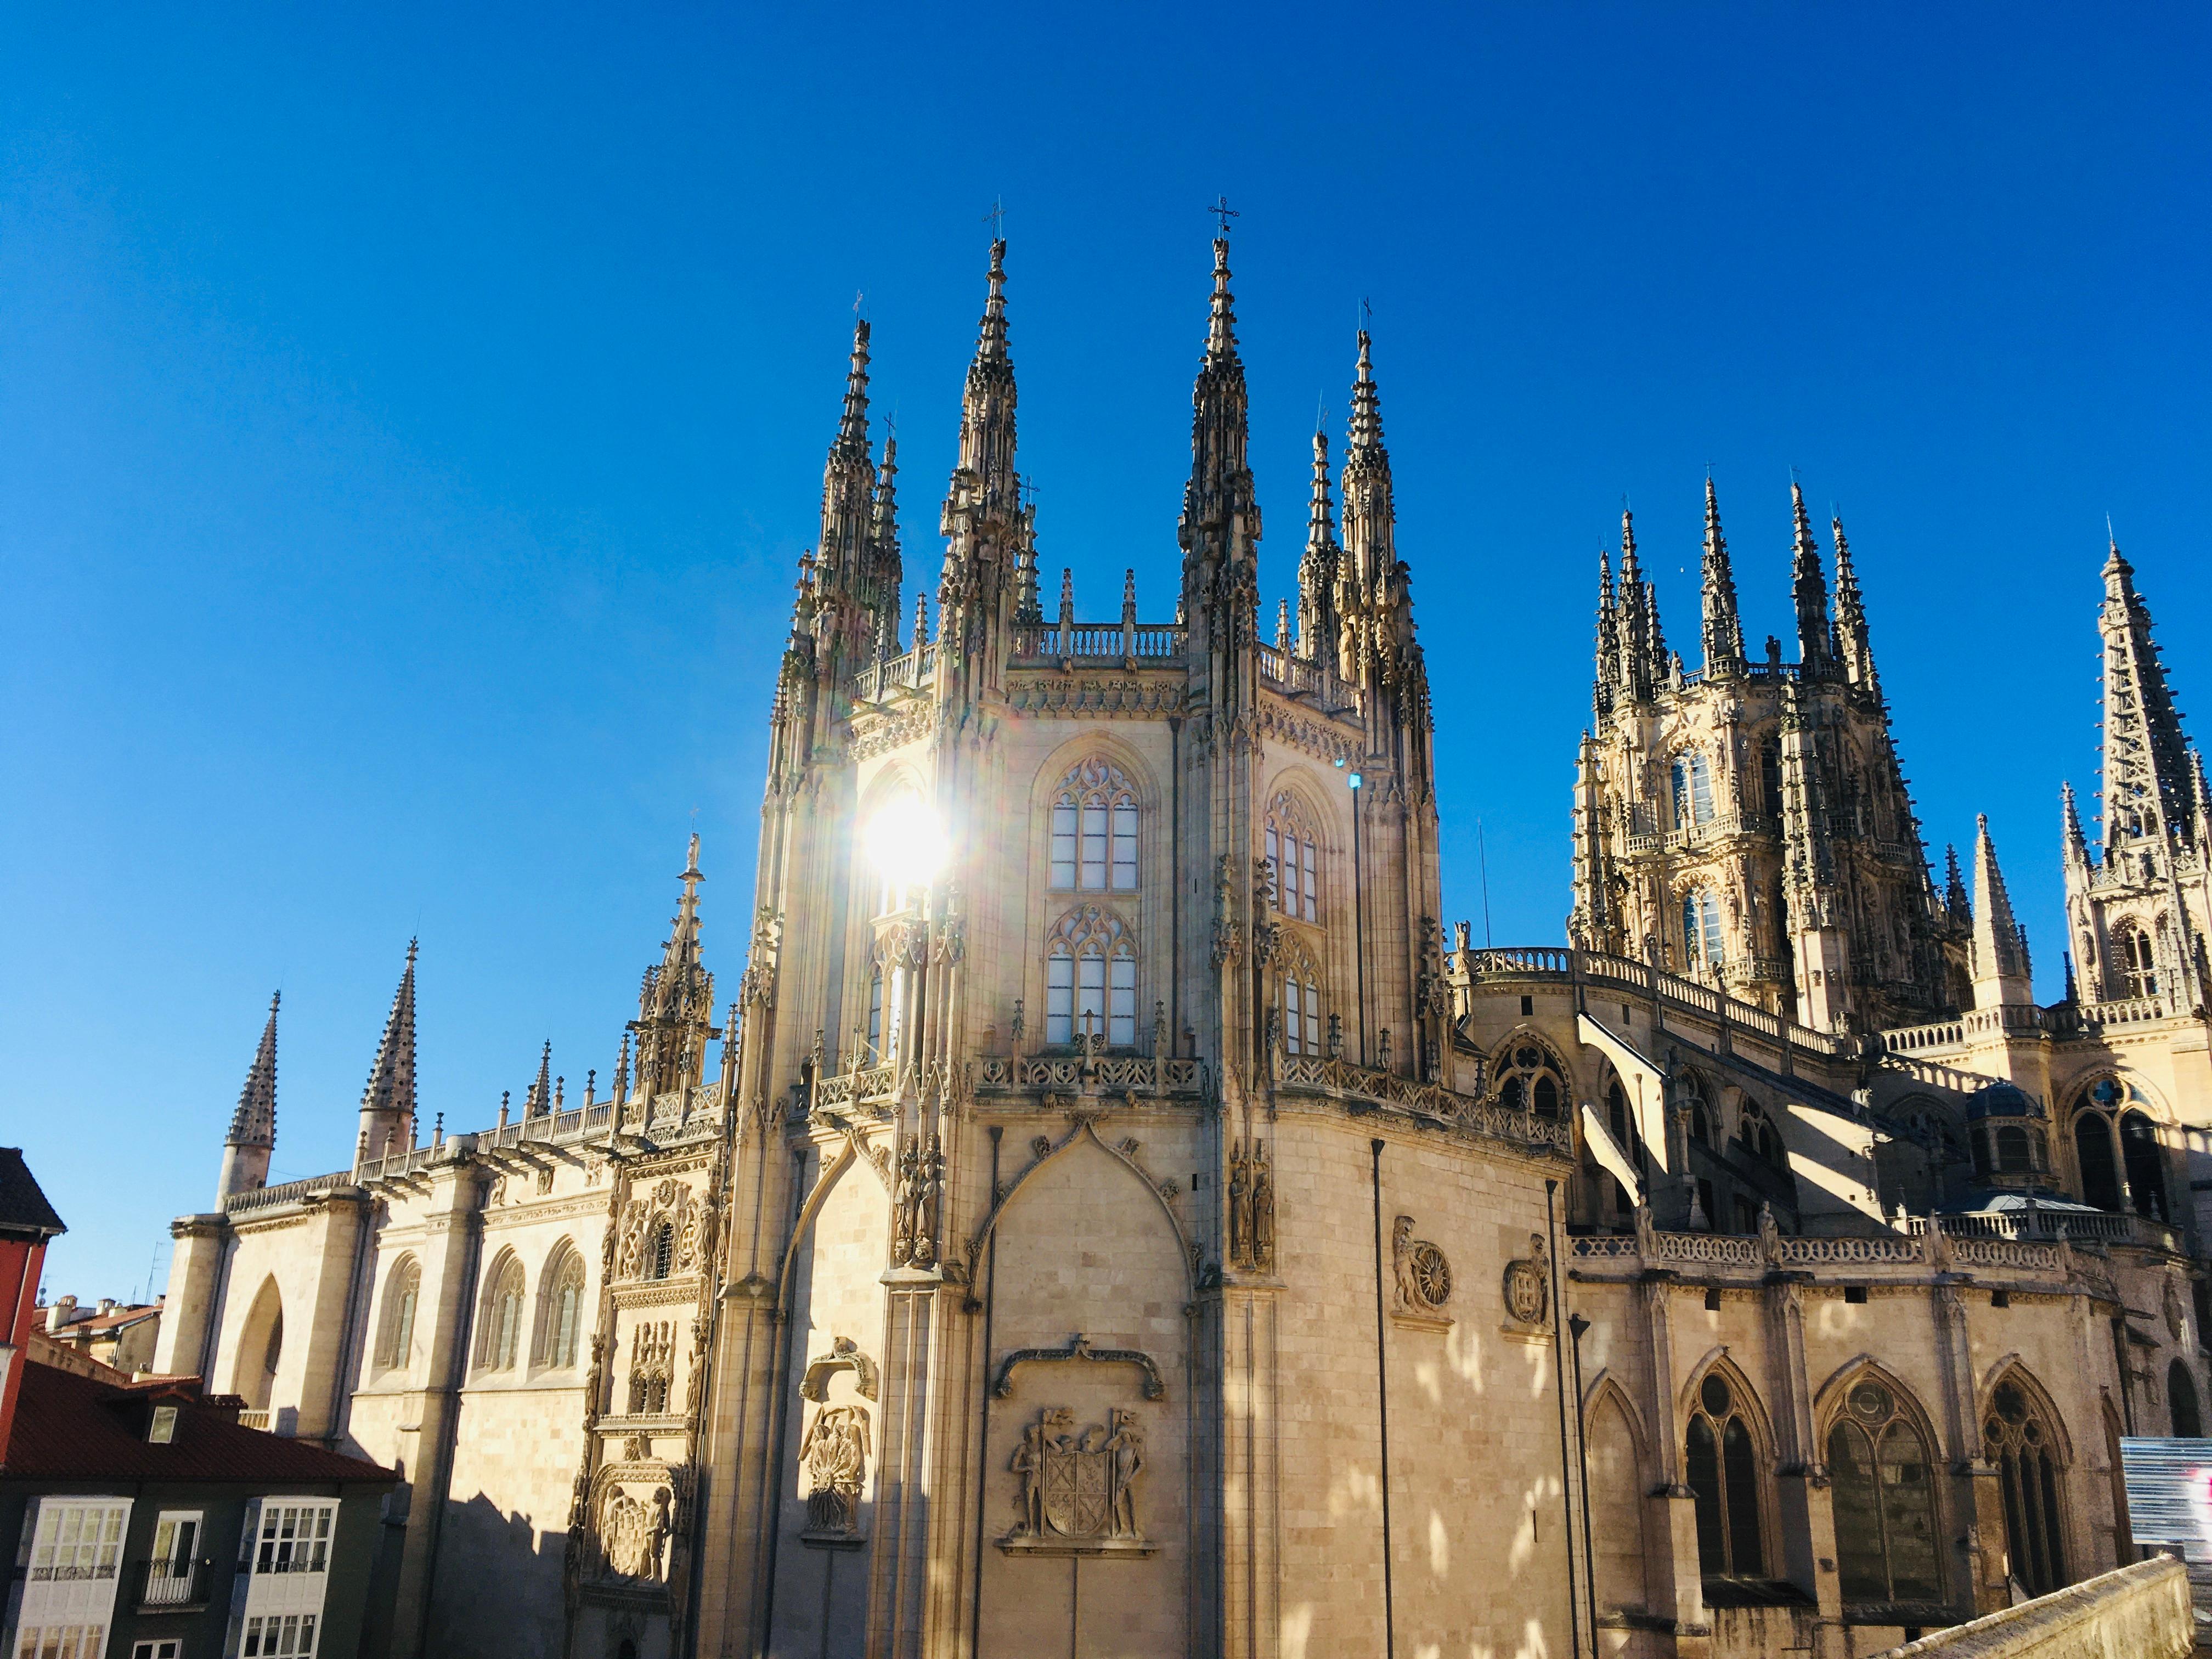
<point x="1078" y="1492"/>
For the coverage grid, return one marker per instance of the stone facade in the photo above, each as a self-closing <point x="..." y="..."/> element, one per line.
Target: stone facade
<point x="1113" y="1218"/>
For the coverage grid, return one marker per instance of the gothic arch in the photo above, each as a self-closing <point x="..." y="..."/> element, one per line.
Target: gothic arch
<point x="1297" y="780"/>
<point x="1607" y="1387"/>
<point x="1085" y="1129"/>
<point x="2011" y="1367"/>
<point x="1123" y="756"/>
<point x="260" y="1347"/>
<point x="1507" y="1061"/>
<point x="899" y="778"/>
<point x="1738" y="1516"/>
<point x="851" y="1150"/>
<point x="397" y="1314"/>
<point x="1614" y="1435"/>
<point x="559" y="1321"/>
<point x="1828" y="1399"/>
<point x="1721" y="1359"/>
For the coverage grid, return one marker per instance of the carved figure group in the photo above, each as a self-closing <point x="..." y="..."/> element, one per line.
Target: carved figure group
<point x="919" y="1198"/>
<point x="1079" y="1486"/>
<point x="1251" y="1208"/>
<point x="633" y="1533"/>
<point x="1423" y="1274"/>
<point x="835" y="1455"/>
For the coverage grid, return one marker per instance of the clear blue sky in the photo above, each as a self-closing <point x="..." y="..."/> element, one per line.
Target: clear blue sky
<point x="409" y="418"/>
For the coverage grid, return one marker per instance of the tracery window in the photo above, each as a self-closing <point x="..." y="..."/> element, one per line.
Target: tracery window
<point x="1090" y="979"/>
<point x="2113" y="1133"/>
<point x="1693" y="790"/>
<point x="2136" y="958"/>
<point x="1528" y="1077"/>
<point x="1301" y="1019"/>
<point x="1294" y="861"/>
<point x="1885" y="1500"/>
<point x="1758" y="1137"/>
<point x="501" y="1336"/>
<point x="560" y="1308"/>
<point x="2017" y="1440"/>
<point x="1094" y="830"/>
<point x="402" y="1291"/>
<point x="1701" y="930"/>
<point x="1722" y="1465"/>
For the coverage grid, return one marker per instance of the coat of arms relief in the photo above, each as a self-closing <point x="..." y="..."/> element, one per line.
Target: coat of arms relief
<point x="1077" y="1489"/>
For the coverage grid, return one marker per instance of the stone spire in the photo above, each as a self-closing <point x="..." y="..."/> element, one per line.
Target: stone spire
<point x="2147" y="785"/>
<point x="1955" y="888"/>
<point x="987" y="406"/>
<point x="2001" y="965"/>
<point x="1723" y="629"/>
<point x="675" y="1009"/>
<point x="1809" y="587"/>
<point x="253" y="1134"/>
<point x="537" y="1100"/>
<point x="387" y="1104"/>
<point x="2074" y="850"/>
<point x="1219" y="530"/>
<point x="1642" y="646"/>
<point x="1850" y="622"/>
<point x="1320" y="625"/>
<point x="848" y="480"/>
<point x="1371" y="513"/>
<point x="1609" y="641"/>
<point x="886" y="575"/>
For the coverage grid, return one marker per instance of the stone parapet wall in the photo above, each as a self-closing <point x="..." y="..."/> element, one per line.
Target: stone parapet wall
<point x="2139" y="1612"/>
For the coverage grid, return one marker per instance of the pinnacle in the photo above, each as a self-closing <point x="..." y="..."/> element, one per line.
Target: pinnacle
<point x="1221" y="328"/>
<point x="254" y="1123"/>
<point x="992" y="340"/>
<point x="852" y="429"/>
<point x="1366" y="401"/>
<point x="390" y="1086"/>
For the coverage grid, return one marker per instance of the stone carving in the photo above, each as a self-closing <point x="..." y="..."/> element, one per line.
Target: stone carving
<point x="1251" y="1209"/>
<point x="545" y="1181"/>
<point x="632" y="1533"/>
<point x="920" y="1196"/>
<point x="1423" y="1274"/>
<point x="672" y="1201"/>
<point x="2171" y="1299"/>
<point x="652" y="1357"/>
<point x="1079" y="1486"/>
<point x="844" y="1355"/>
<point x="1228" y="935"/>
<point x="835" y="1456"/>
<point x="1528" y="1285"/>
<point x="1079" y="1347"/>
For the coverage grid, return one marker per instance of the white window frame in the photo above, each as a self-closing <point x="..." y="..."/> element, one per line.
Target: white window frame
<point x="72" y="1600"/>
<point x="284" y="1556"/>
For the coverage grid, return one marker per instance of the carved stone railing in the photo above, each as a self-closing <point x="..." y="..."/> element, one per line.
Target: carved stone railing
<point x="288" y="1192"/>
<point x="1779" y="1253"/>
<point x="1121" y="642"/>
<point x="1694" y="834"/>
<point x="2103" y="1227"/>
<point x="853" y="1088"/>
<point x="1073" y="1074"/>
<point x="1363" y="1086"/>
<point x="880" y="680"/>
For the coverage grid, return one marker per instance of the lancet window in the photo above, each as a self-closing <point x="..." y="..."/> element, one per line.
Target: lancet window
<point x="1721" y="1464"/>
<point x="403" y="1293"/>
<point x="2114" y="1135"/>
<point x="2020" y="1443"/>
<point x="1758" y="1137"/>
<point x="1529" y="1078"/>
<point x="1702" y="945"/>
<point x="560" y="1308"/>
<point x="502" y="1334"/>
<point x="875" y="1014"/>
<point x="1294" y="861"/>
<point x="1094" y="830"/>
<point x="2188" y="1424"/>
<point x="1090" y="979"/>
<point x="1885" y="1500"/>
<point x="1302" y="1013"/>
<point x="1693" y="790"/>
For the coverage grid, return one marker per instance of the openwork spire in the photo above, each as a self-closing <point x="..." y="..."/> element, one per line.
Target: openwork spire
<point x="2147" y="776"/>
<point x="1319" y="624"/>
<point x="1723" y="629"/>
<point x="1642" y="645"/>
<point x="1219" y="499"/>
<point x="675" y="1009"/>
<point x="987" y="406"/>
<point x="1371" y="513"/>
<point x="848" y="481"/>
<point x="1809" y="587"/>
<point x="390" y="1091"/>
<point x="254" y="1123"/>
<point x="1850" y="633"/>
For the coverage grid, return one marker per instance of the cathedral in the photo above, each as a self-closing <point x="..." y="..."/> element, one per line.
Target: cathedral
<point x="1115" y="1215"/>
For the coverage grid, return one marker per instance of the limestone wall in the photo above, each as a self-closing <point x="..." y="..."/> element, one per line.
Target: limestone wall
<point x="2138" y="1612"/>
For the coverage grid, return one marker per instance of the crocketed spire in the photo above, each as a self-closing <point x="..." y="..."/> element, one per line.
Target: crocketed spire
<point x="676" y="1008"/>
<point x="1607" y="679"/>
<point x="254" y="1123"/>
<point x="388" y="1101"/>
<point x="2147" y="789"/>
<point x="1371" y="514"/>
<point x="539" y="1099"/>
<point x="1851" y="637"/>
<point x="1219" y="500"/>
<point x="2074" y="845"/>
<point x="1809" y="587"/>
<point x="987" y="406"/>
<point x="1723" y="631"/>
<point x="886" y="573"/>
<point x="1319" y="624"/>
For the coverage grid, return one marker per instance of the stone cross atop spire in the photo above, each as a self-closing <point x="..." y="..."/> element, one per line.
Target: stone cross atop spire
<point x="253" y="1134"/>
<point x="388" y="1101"/>
<point x="1723" y="629"/>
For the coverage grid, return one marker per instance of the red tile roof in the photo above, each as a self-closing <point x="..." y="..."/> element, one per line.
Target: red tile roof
<point x="76" y="1428"/>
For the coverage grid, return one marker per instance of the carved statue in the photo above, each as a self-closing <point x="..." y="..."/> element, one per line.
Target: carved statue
<point x="1528" y="1284"/>
<point x="1424" y="1275"/>
<point x="1126" y="1448"/>
<point x="633" y="1533"/>
<point x="835" y="1455"/>
<point x="933" y="1204"/>
<point x="1240" y="1238"/>
<point x="1263" y="1208"/>
<point x="2171" y="1300"/>
<point x="908" y="1192"/>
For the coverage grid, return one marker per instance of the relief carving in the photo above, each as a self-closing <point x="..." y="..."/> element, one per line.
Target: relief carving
<point x="1251" y="1209"/>
<point x="1424" y="1278"/>
<point x="834" y="1456"/>
<point x="1077" y="1489"/>
<point x="632" y="1533"/>
<point x="921" y="1195"/>
<point x="1528" y="1285"/>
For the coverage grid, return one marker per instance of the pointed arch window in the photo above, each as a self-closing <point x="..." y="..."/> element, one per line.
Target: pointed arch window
<point x="1090" y="979"/>
<point x="2114" y="1135"/>
<point x="1294" y="861"/>
<point x="875" y="1014"/>
<point x="2136" y="958"/>
<point x="500" y="1335"/>
<point x="1721" y="1464"/>
<point x="1885" y="1500"/>
<point x="1701" y="930"/>
<point x="2019" y="1443"/>
<point x="1529" y="1078"/>
<point x="1094" y="830"/>
<point x="402" y="1291"/>
<point x="1302" y="1012"/>
<point x="1693" y="790"/>
<point x="561" y="1309"/>
<point x="2187" y="1423"/>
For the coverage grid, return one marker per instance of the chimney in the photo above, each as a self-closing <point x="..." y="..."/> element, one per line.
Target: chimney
<point x="62" y="1313"/>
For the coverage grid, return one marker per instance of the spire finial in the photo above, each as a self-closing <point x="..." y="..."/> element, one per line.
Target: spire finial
<point x="1809" y="587"/>
<point x="1221" y="322"/>
<point x="852" y="429"/>
<point x="1724" y="627"/>
<point x="254" y="1123"/>
<point x="390" y="1093"/>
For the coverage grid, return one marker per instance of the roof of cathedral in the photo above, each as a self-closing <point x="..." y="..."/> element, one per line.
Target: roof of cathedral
<point x="79" y="1428"/>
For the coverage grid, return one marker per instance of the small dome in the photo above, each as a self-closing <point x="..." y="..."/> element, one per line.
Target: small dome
<point x="2001" y="1100"/>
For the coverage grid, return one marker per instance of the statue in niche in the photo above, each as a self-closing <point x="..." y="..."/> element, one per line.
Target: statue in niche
<point x="835" y="1455"/>
<point x="1251" y="1208"/>
<point x="919" y="1198"/>
<point x="1240" y="1240"/>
